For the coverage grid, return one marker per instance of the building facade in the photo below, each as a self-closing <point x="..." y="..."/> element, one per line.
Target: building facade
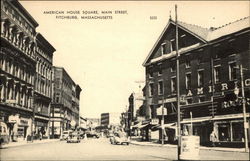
<point x="43" y="86"/>
<point x="17" y="69"/>
<point x="208" y="78"/>
<point x="65" y="104"/>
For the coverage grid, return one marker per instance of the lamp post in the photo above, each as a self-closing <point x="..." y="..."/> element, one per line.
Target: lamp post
<point x="236" y="92"/>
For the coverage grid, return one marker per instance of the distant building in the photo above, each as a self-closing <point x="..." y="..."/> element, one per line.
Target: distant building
<point x="65" y="105"/>
<point x="110" y="119"/>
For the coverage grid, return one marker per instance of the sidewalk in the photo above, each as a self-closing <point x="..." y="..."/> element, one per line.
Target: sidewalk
<point x="24" y="142"/>
<point x="135" y="141"/>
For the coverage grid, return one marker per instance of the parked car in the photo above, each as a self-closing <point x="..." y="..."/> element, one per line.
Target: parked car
<point x="119" y="138"/>
<point x="74" y="138"/>
<point x="65" y="134"/>
<point x="92" y="135"/>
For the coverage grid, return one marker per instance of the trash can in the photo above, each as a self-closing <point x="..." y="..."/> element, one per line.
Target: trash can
<point x="190" y="147"/>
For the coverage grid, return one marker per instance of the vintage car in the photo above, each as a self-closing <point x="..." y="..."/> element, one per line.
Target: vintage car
<point x="65" y="135"/>
<point x="74" y="137"/>
<point x="119" y="138"/>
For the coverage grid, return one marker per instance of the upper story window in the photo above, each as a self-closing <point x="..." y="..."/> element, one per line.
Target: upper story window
<point x="163" y="48"/>
<point x="159" y="69"/>
<point x="173" y="67"/>
<point x="232" y="71"/>
<point x="200" y="78"/>
<point x="189" y="101"/>
<point x="150" y="73"/>
<point x="217" y="74"/>
<point x="160" y="87"/>
<point x="173" y="45"/>
<point x="188" y="81"/>
<point x="173" y="85"/>
<point x="151" y="89"/>
<point x="187" y="62"/>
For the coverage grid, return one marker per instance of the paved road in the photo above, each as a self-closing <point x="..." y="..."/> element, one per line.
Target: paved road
<point x="101" y="149"/>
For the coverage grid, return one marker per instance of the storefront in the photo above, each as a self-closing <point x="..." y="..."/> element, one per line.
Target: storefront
<point x="23" y="128"/>
<point x="41" y="128"/>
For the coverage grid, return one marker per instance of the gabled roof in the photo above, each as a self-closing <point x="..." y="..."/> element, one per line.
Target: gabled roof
<point x="204" y="34"/>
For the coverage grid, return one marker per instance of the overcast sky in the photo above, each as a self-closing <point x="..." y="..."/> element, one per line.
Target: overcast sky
<point x="105" y="56"/>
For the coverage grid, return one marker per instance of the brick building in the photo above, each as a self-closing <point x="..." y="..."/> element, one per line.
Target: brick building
<point x="43" y="88"/>
<point x="65" y="104"/>
<point x="17" y="69"/>
<point x="208" y="77"/>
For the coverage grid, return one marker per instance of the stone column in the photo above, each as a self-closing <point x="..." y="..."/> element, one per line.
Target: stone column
<point x="3" y="28"/>
<point x="2" y="92"/>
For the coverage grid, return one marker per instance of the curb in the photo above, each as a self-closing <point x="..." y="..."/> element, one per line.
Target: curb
<point x="202" y="148"/>
<point x="27" y="143"/>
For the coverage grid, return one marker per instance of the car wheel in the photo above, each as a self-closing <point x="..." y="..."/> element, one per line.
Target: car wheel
<point x="127" y="143"/>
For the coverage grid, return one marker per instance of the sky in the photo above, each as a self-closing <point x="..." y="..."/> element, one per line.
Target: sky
<point x="105" y="56"/>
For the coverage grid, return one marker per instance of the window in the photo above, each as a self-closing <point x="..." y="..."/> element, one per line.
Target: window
<point x="187" y="63"/>
<point x="217" y="74"/>
<point x="173" y="67"/>
<point x="201" y="99"/>
<point x="173" y="85"/>
<point x="151" y="89"/>
<point x="189" y="101"/>
<point x="160" y="88"/>
<point x="173" y="45"/>
<point x="163" y="49"/>
<point x="160" y="69"/>
<point x="188" y="81"/>
<point x="201" y="78"/>
<point x="150" y="74"/>
<point x="232" y="71"/>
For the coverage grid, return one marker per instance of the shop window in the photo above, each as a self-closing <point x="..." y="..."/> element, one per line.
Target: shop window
<point x="238" y="131"/>
<point x="224" y="132"/>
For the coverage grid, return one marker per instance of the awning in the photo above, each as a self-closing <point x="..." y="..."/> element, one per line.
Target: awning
<point x="143" y="126"/>
<point x="170" y="126"/>
<point x="137" y="125"/>
<point x="156" y="127"/>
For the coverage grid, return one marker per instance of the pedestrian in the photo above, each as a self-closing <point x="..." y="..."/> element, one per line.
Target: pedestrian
<point x="185" y="132"/>
<point x="213" y="138"/>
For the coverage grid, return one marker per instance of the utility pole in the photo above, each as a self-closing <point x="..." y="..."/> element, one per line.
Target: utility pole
<point x="244" y="109"/>
<point x="178" y="87"/>
<point x="162" y="113"/>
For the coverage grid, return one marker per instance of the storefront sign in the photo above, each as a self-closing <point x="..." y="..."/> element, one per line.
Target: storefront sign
<point x="13" y="118"/>
<point x="23" y="122"/>
<point x="217" y="88"/>
<point x="154" y="121"/>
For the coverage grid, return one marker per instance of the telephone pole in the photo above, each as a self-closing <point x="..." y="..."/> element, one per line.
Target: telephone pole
<point x="178" y="87"/>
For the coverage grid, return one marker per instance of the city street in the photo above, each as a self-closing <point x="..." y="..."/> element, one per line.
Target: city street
<point x="101" y="149"/>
